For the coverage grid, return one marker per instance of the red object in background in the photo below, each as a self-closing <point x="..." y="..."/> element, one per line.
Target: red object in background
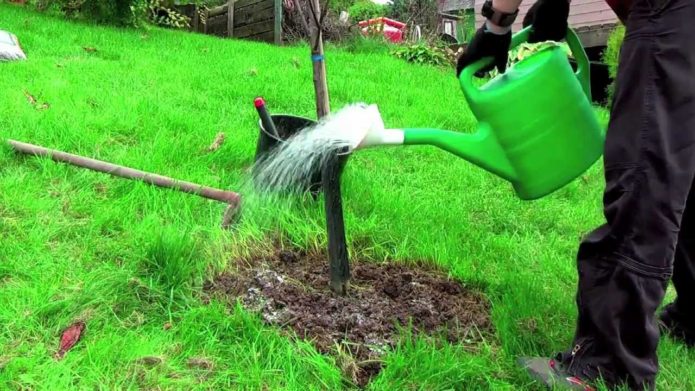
<point x="393" y="30"/>
<point x="70" y="337"/>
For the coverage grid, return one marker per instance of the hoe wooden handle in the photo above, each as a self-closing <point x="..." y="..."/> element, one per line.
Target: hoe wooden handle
<point x="129" y="173"/>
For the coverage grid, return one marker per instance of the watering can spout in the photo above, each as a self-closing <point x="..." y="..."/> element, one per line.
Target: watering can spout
<point x="381" y="136"/>
<point x="480" y="148"/>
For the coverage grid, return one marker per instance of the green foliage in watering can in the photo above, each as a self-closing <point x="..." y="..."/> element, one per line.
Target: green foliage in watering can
<point x="537" y="128"/>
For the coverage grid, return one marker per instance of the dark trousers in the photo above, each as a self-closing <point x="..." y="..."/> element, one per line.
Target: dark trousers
<point x="625" y="265"/>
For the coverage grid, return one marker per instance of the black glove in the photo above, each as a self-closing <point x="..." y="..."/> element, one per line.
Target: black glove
<point x="549" y="20"/>
<point x="486" y="44"/>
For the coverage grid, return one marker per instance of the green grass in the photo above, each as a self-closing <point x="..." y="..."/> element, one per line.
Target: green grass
<point x="129" y="258"/>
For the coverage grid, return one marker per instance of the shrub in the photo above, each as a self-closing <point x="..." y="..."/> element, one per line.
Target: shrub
<point x="365" y="10"/>
<point x="340" y="5"/>
<point x="421" y="53"/>
<point x="297" y="22"/>
<point x="120" y="12"/>
<point x="612" y="55"/>
<point x="416" y="12"/>
<point x="371" y="44"/>
<point x="162" y="13"/>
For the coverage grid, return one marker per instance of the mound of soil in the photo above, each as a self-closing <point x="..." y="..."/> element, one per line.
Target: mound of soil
<point x="290" y="290"/>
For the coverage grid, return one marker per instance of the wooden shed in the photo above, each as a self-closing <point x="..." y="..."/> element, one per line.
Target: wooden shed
<point x="259" y="20"/>
<point x="456" y="19"/>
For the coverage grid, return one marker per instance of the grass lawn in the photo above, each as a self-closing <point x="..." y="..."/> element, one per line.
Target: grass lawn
<point x="131" y="259"/>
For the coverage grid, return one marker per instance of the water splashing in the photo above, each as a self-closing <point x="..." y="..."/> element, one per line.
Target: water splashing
<point x="292" y="165"/>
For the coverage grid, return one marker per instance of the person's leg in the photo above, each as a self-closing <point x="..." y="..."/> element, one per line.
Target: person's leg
<point x="678" y="318"/>
<point x="624" y="265"/>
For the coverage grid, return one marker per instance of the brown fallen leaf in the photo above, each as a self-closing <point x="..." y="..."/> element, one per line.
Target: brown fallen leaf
<point x="167" y="326"/>
<point x="43" y="106"/>
<point x="217" y="143"/>
<point x="200" y="363"/>
<point x="89" y="49"/>
<point x="3" y="361"/>
<point x="30" y="98"/>
<point x="150" y="361"/>
<point x="70" y="337"/>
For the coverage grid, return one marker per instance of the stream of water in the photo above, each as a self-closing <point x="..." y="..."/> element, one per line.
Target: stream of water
<point x="292" y="164"/>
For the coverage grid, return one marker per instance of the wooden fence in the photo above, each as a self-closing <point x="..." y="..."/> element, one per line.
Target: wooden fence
<point x="259" y="20"/>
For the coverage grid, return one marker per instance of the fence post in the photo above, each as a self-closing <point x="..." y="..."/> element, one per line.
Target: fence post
<point x="194" y="22"/>
<point x="278" y="21"/>
<point x="230" y="18"/>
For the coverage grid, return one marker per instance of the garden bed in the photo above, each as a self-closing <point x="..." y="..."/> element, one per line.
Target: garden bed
<point x="290" y="290"/>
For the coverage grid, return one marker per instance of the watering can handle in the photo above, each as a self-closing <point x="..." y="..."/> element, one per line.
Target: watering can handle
<point x="522" y="36"/>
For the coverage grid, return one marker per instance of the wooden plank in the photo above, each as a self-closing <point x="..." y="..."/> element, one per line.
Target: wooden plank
<point x="259" y="16"/>
<point x="255" y="28"/>
<point x="216" y="26"/>
<point x="230" y="18"/>
<point x="218" y="20"/>
<point x="217" y="11"/>
<point x="278" y="22"/>
<point x="595" y="37"/>
<point x="195" y="23"/>
<point x="247" y="3"/>
<point x="267" y="36"/>
<point x="242" y="14"/>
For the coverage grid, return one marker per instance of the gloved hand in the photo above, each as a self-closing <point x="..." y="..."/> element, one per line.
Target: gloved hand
<point x="486" y="43"/>
<point x="549" y="20"/>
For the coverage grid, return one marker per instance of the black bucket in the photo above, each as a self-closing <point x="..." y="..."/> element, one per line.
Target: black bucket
<point x="287" y="126"/>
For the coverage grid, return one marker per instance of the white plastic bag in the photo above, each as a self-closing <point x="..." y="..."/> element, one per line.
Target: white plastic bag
<point x="9" y="47"/>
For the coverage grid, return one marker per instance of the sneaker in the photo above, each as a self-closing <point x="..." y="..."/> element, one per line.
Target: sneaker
<point x="673" y="324"/>
<point x="550" y="372"/>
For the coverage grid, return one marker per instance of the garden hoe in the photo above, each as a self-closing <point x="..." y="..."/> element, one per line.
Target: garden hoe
<point x="230" y="198"/>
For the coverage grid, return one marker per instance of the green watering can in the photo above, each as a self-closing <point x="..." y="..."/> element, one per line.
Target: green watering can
<point x="537" y="128"/>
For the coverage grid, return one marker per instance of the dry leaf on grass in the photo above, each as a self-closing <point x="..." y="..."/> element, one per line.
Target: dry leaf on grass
<point x="30" y="98"/>
<point x="70" y="337"/>
<point x="89" y="49"/>
<point x="200" y="363"/>
<point x="150" y="361"/>
<point x="32" y="101"/>
<point x="219" y="139"/>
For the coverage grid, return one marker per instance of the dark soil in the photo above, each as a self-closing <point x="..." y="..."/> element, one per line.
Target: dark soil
<point x="290" y="290"/>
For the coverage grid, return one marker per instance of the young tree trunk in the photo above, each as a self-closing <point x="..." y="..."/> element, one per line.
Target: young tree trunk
<point x="337" y="247"/>
<point x="330" y="173"/>
<point x="320" y="85"/>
